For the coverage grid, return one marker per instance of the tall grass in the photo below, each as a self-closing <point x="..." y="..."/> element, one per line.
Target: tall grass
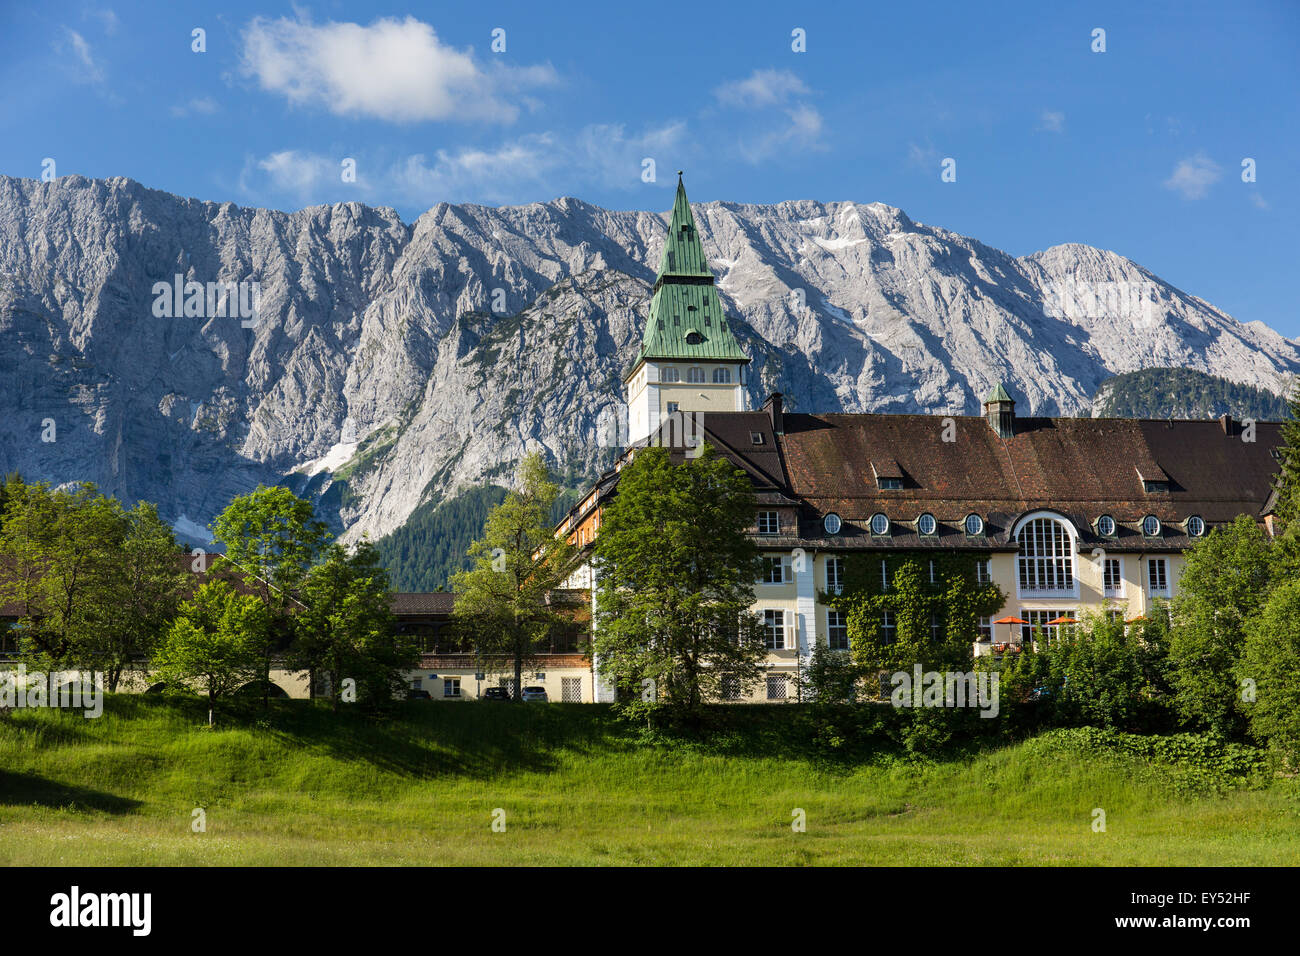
<point x="300" y="785"/>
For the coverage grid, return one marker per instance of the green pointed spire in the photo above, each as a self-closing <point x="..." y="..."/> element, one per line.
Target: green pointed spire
<point x="999" y="395"/>
<point x="686" y="320"/>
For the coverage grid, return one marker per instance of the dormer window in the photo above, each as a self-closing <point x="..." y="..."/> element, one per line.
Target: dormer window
<point x="1151" y="526"/>
<point x="768" y="523"/>
<point x="1195" y="526"/>
<point x="831" y="523"/>
<point x="890" y="484"/>
<point x="756" y="438"/>
<point x="1106" y="526"/>
<point x="879" y="524"/>
<point x="926" y="524"/>
<point x="694" y="338"/>
<point x="1155" y="487"/>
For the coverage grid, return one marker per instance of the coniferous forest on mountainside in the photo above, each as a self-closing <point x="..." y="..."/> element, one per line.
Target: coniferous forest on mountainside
<point x="1183" y="393"/>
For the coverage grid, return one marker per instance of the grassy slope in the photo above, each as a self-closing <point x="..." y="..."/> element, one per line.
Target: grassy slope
<point x="312" y="788"/>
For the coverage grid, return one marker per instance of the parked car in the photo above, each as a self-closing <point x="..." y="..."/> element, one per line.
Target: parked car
<point x="496" y="693"/>
<point x="535" y="693"/>
<point x="417" y="694"/>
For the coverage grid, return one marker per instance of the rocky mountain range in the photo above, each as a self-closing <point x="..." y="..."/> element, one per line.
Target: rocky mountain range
<point x="390" y="364"/>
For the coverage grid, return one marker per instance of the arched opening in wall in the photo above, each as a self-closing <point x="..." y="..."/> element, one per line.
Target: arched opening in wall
<point x="255" y="688"/>
<point x="722" y="376"/>
<point x="669" y="375"/>
<point x="1045" y="564"/>
<point x="695" y="375"/>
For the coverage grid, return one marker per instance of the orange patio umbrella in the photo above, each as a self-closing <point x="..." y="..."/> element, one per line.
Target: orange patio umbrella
<point x="1009" y="621"/>
<point x="1063" y="620"/>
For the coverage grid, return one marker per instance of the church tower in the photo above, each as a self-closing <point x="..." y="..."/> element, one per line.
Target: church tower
<point x="689" y="361"/>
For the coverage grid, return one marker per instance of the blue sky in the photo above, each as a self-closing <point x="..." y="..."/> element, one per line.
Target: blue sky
<point x="1136" y="149"/>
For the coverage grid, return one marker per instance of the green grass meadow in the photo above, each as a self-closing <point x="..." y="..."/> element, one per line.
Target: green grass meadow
<point x="301" y="785"/>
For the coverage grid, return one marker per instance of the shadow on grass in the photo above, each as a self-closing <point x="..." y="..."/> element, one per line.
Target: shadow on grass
<point x="465" y="738"/>
<point x="25" y="789"/>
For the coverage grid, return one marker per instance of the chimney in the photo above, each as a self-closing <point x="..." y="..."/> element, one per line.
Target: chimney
<point x="1000" y="411"/>
<point x="1227" y="424"/>
<point x="773" y="408"/>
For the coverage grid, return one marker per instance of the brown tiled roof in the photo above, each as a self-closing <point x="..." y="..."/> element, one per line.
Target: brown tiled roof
<point x="423" y="602"/>
<point x="1080" y="467"/>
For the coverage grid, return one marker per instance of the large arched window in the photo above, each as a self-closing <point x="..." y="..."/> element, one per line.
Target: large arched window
<point x="721" y="376"/>
<point x="1046" y="560"/>
<point x="695" y="374"/>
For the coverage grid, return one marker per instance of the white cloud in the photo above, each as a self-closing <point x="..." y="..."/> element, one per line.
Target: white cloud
<point x="1051" y="121"/>
<point x="297" y="173"/>
<point x="106" y="17"/>
<point x="1194" y="176"/>
<point x="85" y="67"/>
<point x="396" y="70"/>
<point x="761" y="88"/>
<point x="1258" y="201"/>
<point x="925" y="157"/>
<point x="537" y="165"/>
<point x="801" y="131"/>
<point x="204" y="105"/>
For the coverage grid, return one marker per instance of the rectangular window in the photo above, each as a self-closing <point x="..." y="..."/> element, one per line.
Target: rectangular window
<point x="1038" y="620"/>
<point x="1113" y="579"/>
<point x="936" y="628"/>
<point x="933" y="579"/>
<point x="888" y="629"/>
<point x="774" y="630"/>
<point x="835" y="575"/>
<point x="986" y="630"/>
<point x="451" y="687"/>
<point x="891" y="484"/>
<point x="571" y="690"/>
<point x="730" y="688"/>
<point x="776" y="687"/>
<point x="417" y="683"/>
<point x="768" y="523"/>
<point x="884" y="575"/>
<point x="837" y="631"/>
<point x="1158" y="576"/>
<point x="984" y="571"/>
<point x="774" y="570"/>
<point x="672" y="408"/>
<point x="1115" y="617"/>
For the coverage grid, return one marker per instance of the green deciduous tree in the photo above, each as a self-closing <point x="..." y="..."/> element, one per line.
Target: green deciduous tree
<point x="347" y="630"/>
<point x="1226" y="578"/>
<point x="1271" y="662"/>
<point x="272" y="538"/>
<point x="97" y="584"/>
<point x="215" y="645"/>
<point x="676" y="573"/>
<point x="504" y="603"/>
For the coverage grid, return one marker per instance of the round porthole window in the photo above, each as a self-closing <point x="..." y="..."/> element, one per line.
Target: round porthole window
<point x="1151" y="526"/>
<point x="926" y="524"/>
<point x="831" y="523"/>
<point x="1106" y="526"/>
<point x="1195" y="526"/>
<point x="879" y="524"/>
<point x="974" y="524"/>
